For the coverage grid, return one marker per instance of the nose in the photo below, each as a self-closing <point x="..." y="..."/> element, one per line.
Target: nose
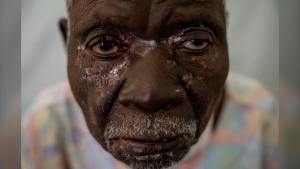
<point x="151" y="85"/>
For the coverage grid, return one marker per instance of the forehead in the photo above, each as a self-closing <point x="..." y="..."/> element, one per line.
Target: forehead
<point x="146" y="16"/>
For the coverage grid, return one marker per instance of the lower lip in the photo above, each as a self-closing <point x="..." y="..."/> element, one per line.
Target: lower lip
<point x="137" y="148"/>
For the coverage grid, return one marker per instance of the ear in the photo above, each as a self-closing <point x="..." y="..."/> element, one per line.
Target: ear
<point x="63" y="25"/>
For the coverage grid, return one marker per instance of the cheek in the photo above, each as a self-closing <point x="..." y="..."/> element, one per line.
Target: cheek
<point x="94" y="81"/>
<point x="204" y="79"/>
<point x="95" y="74"/>
<point x="98" y="76"/>
<point x="206" y="72"/>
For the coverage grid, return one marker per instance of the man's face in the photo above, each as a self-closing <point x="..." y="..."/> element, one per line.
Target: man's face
<point x="146" y="74"/>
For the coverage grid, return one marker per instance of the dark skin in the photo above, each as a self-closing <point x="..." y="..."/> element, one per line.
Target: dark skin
<point x="136" y="68"/>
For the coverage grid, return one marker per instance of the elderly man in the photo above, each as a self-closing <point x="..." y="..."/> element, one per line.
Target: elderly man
<point x="147" y="90"/>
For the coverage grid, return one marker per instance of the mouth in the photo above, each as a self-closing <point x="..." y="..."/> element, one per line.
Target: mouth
<point x="144" y="147"/>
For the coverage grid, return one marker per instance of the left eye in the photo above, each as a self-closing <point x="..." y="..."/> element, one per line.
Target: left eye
<point x="195" y="44"/>
<point x="106" y="46"/>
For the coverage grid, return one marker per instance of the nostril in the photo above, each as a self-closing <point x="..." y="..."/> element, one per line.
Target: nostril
<point x="152" y="100"/>
<point x="125" y="99"/>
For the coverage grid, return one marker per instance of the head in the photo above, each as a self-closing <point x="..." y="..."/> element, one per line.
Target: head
<point x="146" y="73"/>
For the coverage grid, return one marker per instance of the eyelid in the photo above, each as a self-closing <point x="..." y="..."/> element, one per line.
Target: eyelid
<point x="98" y="39"/>
<point x="202" y="34"/>
<point x="93" y="40"/>
<point x="193" y="48"/>
<point x="189" y="34"/>
<point x="119" y="39"/>
<point x="101" y="32"/>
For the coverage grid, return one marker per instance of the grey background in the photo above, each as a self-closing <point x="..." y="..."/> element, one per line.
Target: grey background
<point x="253" y="37"/>
<point x="10" y="83"/>
<point x="289" y="84"/>
<point x="10" y="51"/>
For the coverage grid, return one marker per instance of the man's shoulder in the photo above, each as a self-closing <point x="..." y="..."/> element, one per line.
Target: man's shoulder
<point x="55" y="135"/>
<point x="248" y="126"/>
<point x="52" y="95"/>
<point x="52" y="106"/>
<point x="249" y="93"/>
<point x="250" y="101"/>
<point x="252" y="109"/>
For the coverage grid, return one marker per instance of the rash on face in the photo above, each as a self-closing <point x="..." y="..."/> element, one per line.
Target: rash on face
<point x="95" y="75"/>
<point x="97" y="84"/>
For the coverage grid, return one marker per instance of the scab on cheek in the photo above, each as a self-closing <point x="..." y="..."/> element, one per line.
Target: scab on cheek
<point x="191" y="79"/>
<point x="174" y="40"/>
<point x="206" y="62"/>
<point x="214" y="56"/>
<point x="172" y="63"/>
<point x="188" y="79"/>
<point x="101" y="77"/>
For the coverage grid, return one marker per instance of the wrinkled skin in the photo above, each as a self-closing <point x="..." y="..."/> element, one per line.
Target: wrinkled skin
<point x="147" y="74"/>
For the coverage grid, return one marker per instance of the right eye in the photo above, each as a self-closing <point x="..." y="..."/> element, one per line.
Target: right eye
<point x="105" y="45"/>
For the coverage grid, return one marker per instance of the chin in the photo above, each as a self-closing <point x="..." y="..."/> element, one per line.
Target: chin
<point x="157" y="141"/>
<point x="157" y="161"/>
<point x="146" y="153"/>
<point x="150" y="141"/>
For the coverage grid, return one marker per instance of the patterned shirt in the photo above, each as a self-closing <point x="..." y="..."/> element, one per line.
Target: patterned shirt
<point x="55" y="135"/>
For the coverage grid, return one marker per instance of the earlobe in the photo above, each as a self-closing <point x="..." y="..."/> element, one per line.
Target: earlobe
<point x="63" y="25"/>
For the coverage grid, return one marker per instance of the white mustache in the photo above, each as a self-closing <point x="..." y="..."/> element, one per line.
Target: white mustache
<point x="152" y="126"/>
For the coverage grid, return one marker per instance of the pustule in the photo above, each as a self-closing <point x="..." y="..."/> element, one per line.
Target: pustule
<point x="80" y="48"/>
<point x="80" y="52"/>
